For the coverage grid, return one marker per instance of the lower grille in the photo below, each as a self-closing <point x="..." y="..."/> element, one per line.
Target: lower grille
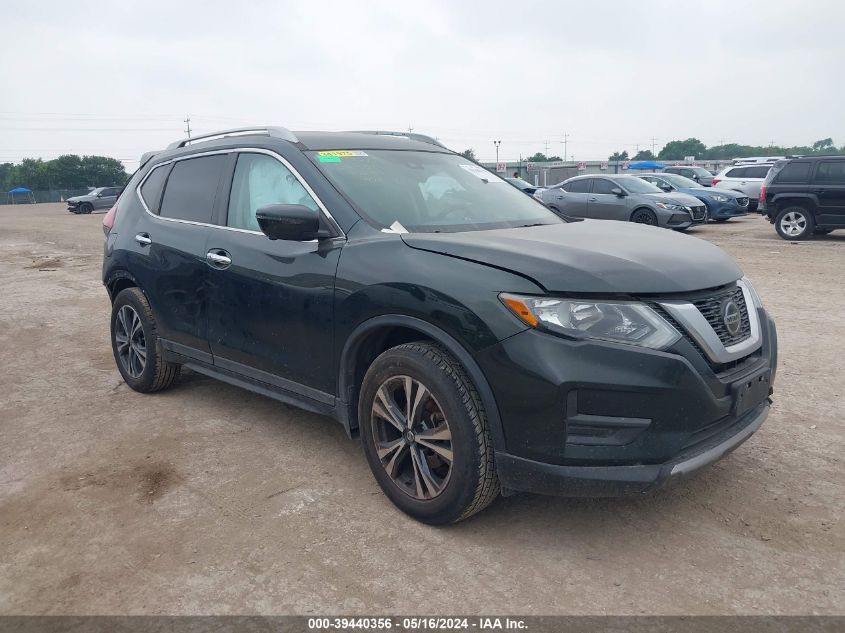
<point x="712" y="309"/>
<point x="698" y="212"/>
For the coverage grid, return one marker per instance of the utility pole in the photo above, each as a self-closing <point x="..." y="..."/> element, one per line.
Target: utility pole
<point x="497" y="143"/>
<point x="565" y="138"/>
<point x="187" y="122"/>
<point x="546" y="143"/>
<point x="410" y="129"/>
<point x="653" y="145"/>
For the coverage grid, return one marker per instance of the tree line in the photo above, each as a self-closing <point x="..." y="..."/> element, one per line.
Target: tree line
<point x="65" y="172"/>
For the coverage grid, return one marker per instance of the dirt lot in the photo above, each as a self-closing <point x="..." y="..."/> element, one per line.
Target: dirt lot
<point x="209" y="499"/>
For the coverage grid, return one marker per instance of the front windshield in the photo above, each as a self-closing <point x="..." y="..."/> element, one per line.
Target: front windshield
<point x="701" y="171"/>
<point x="680" y="182"/>
<point x="428" y="192"/>
<point x="94" y="192"/>
<point x="519" y="183"/>
<point x="637" y="185"/>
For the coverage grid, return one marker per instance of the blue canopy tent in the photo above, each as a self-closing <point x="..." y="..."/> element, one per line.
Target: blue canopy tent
<point x="20" y="195"/>
<point x="649" y="165"/>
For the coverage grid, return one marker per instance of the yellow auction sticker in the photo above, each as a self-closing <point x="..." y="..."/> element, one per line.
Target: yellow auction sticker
<point x="343" y="153"/>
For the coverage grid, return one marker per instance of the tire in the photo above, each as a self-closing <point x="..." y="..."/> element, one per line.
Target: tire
<point x="794" y="222"/>
<point x="139" y="354"/>
<point x="448" y="421"/>
<point x="86" y="208"/>
<point x="644" y="216"/>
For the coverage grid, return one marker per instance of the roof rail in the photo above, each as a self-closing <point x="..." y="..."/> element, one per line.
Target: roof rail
<point x="276" y="132"/>
<point x="416" y="137"/>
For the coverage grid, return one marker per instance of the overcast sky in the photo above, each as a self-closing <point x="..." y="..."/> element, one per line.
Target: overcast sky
<point x="118" y="78"/>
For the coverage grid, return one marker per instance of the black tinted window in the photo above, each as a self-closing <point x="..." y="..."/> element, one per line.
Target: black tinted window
<point x="737" y="172"/>
<point x="191" y="188"/>
<point x="798" y="173"/>
<point x="600" y="185"/>
<point x="757" y="172"/>
<point x="152" y="188"/>
<point x="579" y="186"/>
<point x="831" y="172"/>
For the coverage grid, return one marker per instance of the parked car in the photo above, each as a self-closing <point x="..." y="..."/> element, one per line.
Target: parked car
<point x="745" y="179"/>
<point x="625" y="198"/>
<point x="722" y="204"/>
<point x="99" y="198"/>
<point x="698" y="174"/>
<point x="524" y="186"/>
<point x="473" y="339"/>
<point x="805" y="197"/>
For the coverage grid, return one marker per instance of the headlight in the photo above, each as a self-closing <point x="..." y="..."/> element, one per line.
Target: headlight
<point x="720" y="198"/>
<point x="620" y="322"/>
<point x="755" y="298"/>
<point x="671" y="207"/>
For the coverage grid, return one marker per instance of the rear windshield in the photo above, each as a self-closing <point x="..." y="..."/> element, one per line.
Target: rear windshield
<point x="428" y="192"/>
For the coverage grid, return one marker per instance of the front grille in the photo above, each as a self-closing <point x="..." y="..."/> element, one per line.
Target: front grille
<point x="711" y="309"/>
<point x="743" y="201"/>
<point x="697" y="212"/>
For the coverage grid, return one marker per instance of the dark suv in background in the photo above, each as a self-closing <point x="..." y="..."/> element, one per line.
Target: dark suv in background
<point x="803" y="197"/>
<point x="475" y="341"/>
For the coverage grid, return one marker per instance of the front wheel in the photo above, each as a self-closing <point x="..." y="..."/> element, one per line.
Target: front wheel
<point x="425" y="434"/>
<point x="644" y="216"/>
<point x="86" y="208"/>
<point x="794" y="223"/>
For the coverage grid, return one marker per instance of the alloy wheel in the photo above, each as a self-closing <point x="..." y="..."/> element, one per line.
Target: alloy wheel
<point x="412" y="437"/>
<point x="130" y="341"/>
<point x="793" y="223"/>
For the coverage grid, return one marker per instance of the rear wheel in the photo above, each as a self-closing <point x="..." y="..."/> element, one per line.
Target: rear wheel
<point x="794" y="222"/>
<point x="136" y="346"/>
<point x="644" y="216"/>
<point x="425" y="434"/>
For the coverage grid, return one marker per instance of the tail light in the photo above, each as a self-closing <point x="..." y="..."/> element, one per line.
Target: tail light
<point x="108" y="220"/>
<point x="763" y="194"/>
<point x="715" y="182"/>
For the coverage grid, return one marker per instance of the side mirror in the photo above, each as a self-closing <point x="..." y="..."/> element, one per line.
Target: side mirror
<point x="292" y="222"/>
<point x="617" y="192"/>
<point x="99" y="195"/>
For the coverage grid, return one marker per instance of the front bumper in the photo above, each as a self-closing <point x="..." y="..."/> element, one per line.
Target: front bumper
<point x="722" y="210"/>
<point x="591" y="418"/>
<point x="72" y="206"/>
<point x="518" y="473"/>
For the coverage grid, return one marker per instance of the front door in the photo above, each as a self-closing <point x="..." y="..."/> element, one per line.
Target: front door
<point x="829" y="187"/>
<point x="604" y="205"/>
<point x="271" y="307"/>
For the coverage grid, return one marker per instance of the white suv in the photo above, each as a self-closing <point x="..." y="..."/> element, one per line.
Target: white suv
<point x="744" y="178"/>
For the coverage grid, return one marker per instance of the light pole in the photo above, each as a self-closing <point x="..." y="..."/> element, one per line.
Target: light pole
<point x="497" y="143"/>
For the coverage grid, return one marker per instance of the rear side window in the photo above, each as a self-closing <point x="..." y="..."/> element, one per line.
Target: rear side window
<point x="579" y="186"/>
<point x="737" y="172"/>
<point x="757" y="172"/>
<point x="831" y="172"/>
<point x="152" y="188"/>
<point x="191" y="188"/>
<point x="796" y="173"/>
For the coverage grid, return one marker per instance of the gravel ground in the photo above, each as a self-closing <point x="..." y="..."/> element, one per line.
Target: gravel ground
<point x="209" y="499"/>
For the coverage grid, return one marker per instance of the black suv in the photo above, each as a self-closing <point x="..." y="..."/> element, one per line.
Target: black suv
<point x="476" y="341"/>
<point x="803" y="197"/>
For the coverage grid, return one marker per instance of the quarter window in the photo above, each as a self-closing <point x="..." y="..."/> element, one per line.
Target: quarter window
<point x="831" y="172"/>
<point x="192" y="187"/>
<point x="798" y="173"/>
<point x="152" y="188"/>
<point x="261" y="180"/>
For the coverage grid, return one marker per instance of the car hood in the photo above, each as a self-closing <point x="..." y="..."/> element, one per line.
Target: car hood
<point x="80" y="199"/>
<point x="591" y="256"/>
<point x="675" y="197"/>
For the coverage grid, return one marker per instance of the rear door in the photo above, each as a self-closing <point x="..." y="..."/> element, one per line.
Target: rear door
<point x="169" y="242"/>
<point x="604" y="205"/>
<point x="572" y="197"/>
<point x="271" y="306"/>
<point x="829" y="187"/>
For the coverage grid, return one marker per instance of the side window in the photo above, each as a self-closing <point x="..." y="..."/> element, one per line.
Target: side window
<point x="261" y="180"/>
<point x="600" y="185"/>
<point x="798" y="173"/>
<point x="757" y="172"/>
<point x="580" y="186"/>
<point x="736" y="172"/>
<point x="152" y="188"/>
<point x="191" y="188"/>
<point x="687" y="173"/>
<point x="830" y="172"/>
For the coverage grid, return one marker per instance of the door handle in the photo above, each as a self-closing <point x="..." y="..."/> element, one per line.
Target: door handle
<point x="593" y="199"/>
<point x="143" y="239"/>
<point x="218" y="258"/>
<point x="559" y="197"/>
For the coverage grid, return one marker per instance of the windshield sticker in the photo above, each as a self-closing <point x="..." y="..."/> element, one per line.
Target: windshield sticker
<point x="342" y="153"/>
<point x="480" y="172"/>
<point x="329" y="159"/>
